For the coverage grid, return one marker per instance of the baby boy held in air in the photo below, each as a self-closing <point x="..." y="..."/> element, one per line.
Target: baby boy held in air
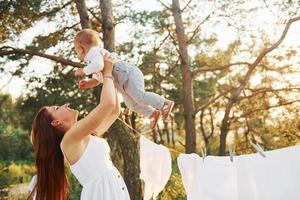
<point x="128" y="78"/>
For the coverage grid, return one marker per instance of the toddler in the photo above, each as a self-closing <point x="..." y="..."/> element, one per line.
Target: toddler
<point x="128" y="79"/>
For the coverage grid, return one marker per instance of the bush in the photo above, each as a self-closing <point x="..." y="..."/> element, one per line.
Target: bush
<point x="13" y="173"/>
<point x="174" y="188"/>
<point x="75" y="188"/>
<point x="15" y="145"/>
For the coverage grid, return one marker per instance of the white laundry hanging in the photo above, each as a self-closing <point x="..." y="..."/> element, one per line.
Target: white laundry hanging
<point x="248" y="177"/>
<point x="214" y="178"/>
<point x="156" y="167"/>
<point x="275" y="177"/>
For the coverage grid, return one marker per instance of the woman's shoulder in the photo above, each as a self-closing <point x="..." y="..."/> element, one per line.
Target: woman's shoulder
<point x="72" y="150"/>
<point x="67" y="142"/>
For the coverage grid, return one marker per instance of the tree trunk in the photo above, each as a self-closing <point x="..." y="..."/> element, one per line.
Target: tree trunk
<point x="172" y="131"/>
<point x="160" y="135"/>
<point x="225" y="129"/>
<point x="188" y="104"/>
<point x="108" y="24"/>
<point x="129" y="145"/>
<point x="83" y="14"/>
<point x="166" y="130"/>
<point x="133" y="120"/>
<point x="154" y="135"/>
<point x="118" y="133"/>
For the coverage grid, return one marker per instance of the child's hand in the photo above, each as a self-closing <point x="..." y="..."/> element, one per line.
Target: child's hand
<point x="88" y="84"/>
<point x="83" y="84"/>
<point x="79" y="72"/>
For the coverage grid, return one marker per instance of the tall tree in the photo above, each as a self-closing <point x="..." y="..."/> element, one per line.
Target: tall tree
<point x="83" y="14"/>
<point x="188" y="102"/>
<point x="243" y="83"/>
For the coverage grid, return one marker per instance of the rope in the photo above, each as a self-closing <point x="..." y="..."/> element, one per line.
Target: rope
<point x="140" y="133"/>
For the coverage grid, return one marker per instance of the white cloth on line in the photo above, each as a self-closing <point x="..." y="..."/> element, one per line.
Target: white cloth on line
<point x="275" y="177"/>
<point x="213" y="179"/>
<point x="32" y="183"/>
<point x="248" y="177"/>
<point x="156" y="167"/>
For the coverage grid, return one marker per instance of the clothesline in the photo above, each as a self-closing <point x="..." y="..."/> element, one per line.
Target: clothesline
<point x="255" y="146"/>
<point x="140" y="133"/>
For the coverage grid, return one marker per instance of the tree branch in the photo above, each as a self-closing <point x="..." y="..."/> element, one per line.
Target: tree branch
<point x="187" y="4"/>
<point x="95" y="16"/>
<point x="265" y="90"/>
<point x="213" y="100"/>
<point x="218" y="68"/>
<point x="54" y="10"/>
<point x="174" y="40"/>
<point x="7" y="50"/>
<point x="265" y="108"/>
<point x="275" y="69"/>
<point x="262" y="55"/>
<point x="8" y="82"/>
<point x="197" y="29"/>
<point x="162" y="42"/>
<point x="212" y="127"/>
<point x="165" y="5"/>
<point x="171" y="70"/>
<point x="226" y="119"/>
<point x="202" y="130"/>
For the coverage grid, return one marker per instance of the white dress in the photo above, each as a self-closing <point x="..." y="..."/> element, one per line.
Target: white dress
<point x="95" y="171"/>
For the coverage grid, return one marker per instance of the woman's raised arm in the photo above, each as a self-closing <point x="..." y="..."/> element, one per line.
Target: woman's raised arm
<point x="99" y="114"/>
<point x="110" y="119"/>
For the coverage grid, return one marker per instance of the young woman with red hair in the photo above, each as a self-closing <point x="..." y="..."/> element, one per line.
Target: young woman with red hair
<point x="57" y="136"/>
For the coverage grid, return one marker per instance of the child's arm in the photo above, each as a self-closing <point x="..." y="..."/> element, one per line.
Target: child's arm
<point x="91" y="83"/>
<point x="79" y="72"/>
<point x="98" y="76"/>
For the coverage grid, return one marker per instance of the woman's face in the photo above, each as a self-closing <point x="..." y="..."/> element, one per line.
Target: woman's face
<point x="63" y="116"/>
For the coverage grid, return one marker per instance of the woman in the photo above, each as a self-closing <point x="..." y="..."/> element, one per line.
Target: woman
<point x="58" y="136"/>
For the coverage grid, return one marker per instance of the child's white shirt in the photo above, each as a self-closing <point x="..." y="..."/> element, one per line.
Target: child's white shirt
<point x="95" y="59"/>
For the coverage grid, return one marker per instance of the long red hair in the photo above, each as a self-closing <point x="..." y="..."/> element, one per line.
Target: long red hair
<point x="52" y="182"/>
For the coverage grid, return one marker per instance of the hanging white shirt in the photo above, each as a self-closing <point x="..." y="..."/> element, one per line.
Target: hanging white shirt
<point x="275" y="177"/>
<point x="190" y="168"/>
<point x="32" y="184"/>
<point x="215" y="178"/>
<point x="156" y="167"/>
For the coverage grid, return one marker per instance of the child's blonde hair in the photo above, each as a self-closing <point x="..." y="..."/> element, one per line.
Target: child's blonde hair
<point x="87" y="37"/>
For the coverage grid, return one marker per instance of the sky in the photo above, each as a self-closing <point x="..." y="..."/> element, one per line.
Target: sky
<point x="17" y="85"/>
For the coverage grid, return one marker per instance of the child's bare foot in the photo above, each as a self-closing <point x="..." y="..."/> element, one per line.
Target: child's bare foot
<point x="154" y="118"/>
<point x="166" y="109"/>
<point x="88" y="84"/>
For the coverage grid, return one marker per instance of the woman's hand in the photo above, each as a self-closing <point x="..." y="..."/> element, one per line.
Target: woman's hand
<point x="108" y="67"/>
